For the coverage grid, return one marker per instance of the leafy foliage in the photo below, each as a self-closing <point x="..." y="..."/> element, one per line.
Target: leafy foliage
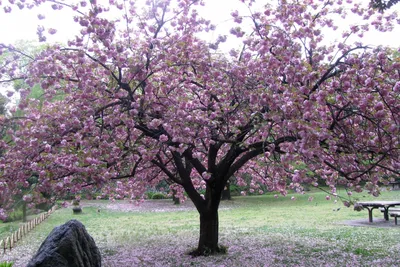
<point x="156" y="195"/>
<point x="3" y="103"/>
<point x="6" y="264"/>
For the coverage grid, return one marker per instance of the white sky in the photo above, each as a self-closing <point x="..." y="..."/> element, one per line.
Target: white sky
<point x="22" y="24"/>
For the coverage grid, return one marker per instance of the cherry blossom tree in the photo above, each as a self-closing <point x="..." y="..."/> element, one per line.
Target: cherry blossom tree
<point x="141" y="98"/>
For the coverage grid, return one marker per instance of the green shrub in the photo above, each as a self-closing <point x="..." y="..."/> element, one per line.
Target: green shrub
<point x="235" y="189"/>
<point x="44" y="206"/>
<point x="16" y="215"/>
<point x="6" y="264"/>
<point x="150" y="194"/>
<point x="158" y="195"/>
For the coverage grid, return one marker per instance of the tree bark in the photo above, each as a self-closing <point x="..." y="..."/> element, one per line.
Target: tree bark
<point x="226" y="194"/>
<point x="24" y="219"/>
<point x="175" y="199"/>
<point x="209" y="226"/>
<point x="209" y="223"/>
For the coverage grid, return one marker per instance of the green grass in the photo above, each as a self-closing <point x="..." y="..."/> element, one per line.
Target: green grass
<point x="268" y="223"/>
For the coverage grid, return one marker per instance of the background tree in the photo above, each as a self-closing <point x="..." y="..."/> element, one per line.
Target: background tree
<point x="146" y="99"/>
<point x="9" y="59"/>
<point x="3" y="104"/>
<point x="382" y="5"/>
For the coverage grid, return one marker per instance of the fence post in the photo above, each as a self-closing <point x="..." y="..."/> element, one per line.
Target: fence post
<point x="6" y="243"/>
<point x="23" y="230"/>
<point x="19" y="233"/>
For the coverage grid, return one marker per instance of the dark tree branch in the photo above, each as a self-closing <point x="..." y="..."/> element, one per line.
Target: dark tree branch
<point x="330" y="73"/>
<point x="165" y="170"/>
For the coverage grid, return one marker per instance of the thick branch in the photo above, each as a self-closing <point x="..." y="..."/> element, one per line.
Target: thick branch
<point x="166" y="171"/>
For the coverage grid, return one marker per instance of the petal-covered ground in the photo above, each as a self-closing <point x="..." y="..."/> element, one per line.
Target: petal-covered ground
<point x="163" y="236"/>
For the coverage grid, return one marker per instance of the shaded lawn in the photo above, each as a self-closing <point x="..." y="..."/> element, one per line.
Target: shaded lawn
<point x="258" y="231"/>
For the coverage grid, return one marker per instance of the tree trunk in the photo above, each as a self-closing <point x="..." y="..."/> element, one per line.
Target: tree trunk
<point x="24" y="219"/>
<point x="208" y="241"/>
<point x="209" y="224"/>
<point x="207" y="206"/>
<point x="175" y="199"/>
<point x="226" y="194"/>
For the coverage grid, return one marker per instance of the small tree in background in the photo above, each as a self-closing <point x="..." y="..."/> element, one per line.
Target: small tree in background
<point x="146" y="99"/>
<point x="383" y="5"/>
<point x="3" y="104"/>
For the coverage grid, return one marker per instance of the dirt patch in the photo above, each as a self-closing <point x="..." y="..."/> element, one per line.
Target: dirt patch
<point x="160" y="205"/>
<point x="379" y="223"/>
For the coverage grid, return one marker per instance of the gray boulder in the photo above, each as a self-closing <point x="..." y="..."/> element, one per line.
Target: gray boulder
<point x="68" y="245"/>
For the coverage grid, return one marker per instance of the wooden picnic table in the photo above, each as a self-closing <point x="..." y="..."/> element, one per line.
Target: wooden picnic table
<point x="371" y="205"/>
<point x="395" y="185"/>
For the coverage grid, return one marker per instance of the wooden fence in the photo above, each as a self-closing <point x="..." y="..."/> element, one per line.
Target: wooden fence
<point x="9" y="242"/>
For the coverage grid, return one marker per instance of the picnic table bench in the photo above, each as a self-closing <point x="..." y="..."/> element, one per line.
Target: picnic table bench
<point x="395" y="214"/>
<point x="395" y="185"/>
<point x="391" y="209"/>
<point x="384" y="206"/>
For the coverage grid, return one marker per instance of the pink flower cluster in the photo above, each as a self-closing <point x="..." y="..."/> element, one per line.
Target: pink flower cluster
<point x="142" y="99"/>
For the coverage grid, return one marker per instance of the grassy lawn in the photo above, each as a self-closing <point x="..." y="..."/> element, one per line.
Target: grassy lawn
<point x="258" y="231"/>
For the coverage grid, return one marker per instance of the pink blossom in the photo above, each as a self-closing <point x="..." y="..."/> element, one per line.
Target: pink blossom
<point x="52" y="31"/>
<point x="163" y="138"/>
<point x="27" y="198"/>
<point x="47" y="148"/>
<point x="206" y="175"/>
<point x="379" y="106"/>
